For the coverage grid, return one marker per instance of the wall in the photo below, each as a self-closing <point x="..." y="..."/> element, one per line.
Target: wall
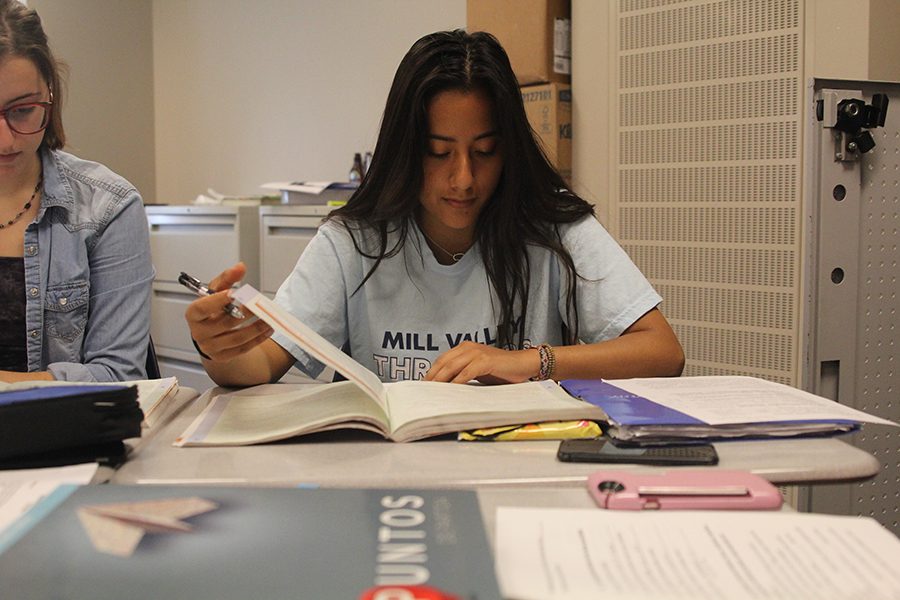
<point x="108" y="112"/>
<point x="247" y="93"/>
<point x="853" y="40"/>
<point x="291" y="89"/>
<point x="591" y="81"/>
<point x="884" y="42"/>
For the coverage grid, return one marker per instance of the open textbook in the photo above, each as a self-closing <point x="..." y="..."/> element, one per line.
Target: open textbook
<point x="401" y="411"/>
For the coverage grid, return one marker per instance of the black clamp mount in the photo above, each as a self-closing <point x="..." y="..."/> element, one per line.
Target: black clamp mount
<point x="850" y="119"/>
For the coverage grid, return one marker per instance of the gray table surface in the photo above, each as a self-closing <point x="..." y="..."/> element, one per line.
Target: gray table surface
<point x="360" y="459"/>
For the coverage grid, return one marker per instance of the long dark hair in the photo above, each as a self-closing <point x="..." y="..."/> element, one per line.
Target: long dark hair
<point x="531" y="198"/>
<point x="22" y="34"/>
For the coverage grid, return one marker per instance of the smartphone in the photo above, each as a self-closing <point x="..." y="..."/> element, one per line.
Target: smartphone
<point x="601" y="450"/>
<point x="690" y="489"/>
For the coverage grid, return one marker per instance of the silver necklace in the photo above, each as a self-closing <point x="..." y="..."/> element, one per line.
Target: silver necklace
<point x="454" y="256"/>
<point x="25" y="208"/>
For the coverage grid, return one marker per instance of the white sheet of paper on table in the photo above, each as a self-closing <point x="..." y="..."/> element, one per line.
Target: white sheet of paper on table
<point x="560" y="554"/>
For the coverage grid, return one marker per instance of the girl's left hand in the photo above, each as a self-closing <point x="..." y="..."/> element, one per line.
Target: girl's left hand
<point x="487" y="364"/>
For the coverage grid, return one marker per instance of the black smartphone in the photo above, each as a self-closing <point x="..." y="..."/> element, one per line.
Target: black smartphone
<point x="600" y="450"/>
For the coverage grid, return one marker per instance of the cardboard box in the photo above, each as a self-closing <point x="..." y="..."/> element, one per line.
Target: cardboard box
<point x="549" y="110"/>
<point x="536" y="35"/>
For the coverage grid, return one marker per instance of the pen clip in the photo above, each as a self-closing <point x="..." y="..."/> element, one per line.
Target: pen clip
<point x="201" y="289"/>
<point x="193" y="284"/>
<point x="680" y="490"/>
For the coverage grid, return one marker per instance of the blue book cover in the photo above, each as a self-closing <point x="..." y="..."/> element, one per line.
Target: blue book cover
<point x="624" y="407"/>
<point x="119" y="541"/>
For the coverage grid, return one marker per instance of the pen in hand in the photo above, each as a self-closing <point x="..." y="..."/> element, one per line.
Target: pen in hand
<point x="201" y="289"/>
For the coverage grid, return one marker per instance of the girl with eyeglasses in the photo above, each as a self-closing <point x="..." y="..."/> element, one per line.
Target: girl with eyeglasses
<point x="75" y="270"/>
<point x="461" y="256"/>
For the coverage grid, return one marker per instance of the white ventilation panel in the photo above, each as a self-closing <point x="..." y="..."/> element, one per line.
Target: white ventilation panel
<point x="708" y="174"/>
<point x="713" y="193"/>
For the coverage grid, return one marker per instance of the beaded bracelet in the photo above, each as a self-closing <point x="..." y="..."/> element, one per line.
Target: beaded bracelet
<point x="548" y="362"/>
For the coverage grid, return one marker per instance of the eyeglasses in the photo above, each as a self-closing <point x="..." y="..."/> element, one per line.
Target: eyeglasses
<point x="27" y="118"/>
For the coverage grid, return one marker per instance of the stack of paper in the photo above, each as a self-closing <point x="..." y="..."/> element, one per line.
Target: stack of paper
<point x="661" y="410"/>
<point x="20" y="489"/>
<point x="312" y="192"/>
<point x="154" y="396"/>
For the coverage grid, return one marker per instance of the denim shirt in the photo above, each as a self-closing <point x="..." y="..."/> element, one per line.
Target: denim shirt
<point x="88" y="274"/>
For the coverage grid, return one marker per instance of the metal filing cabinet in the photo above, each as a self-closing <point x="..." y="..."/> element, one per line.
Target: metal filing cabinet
<point x="202" y="241"/>
<point x="284" y="232"/>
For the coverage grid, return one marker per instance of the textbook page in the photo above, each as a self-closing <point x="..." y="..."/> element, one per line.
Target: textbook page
<point x="318" y="347"/>
<point x="723" y="400"/>
<point x="562" y="554"/>
<point x="420" y="409"/>
<point x="241" y="419"/>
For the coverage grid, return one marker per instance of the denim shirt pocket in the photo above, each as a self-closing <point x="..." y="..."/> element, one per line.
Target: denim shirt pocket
<point x="66" y="310"/>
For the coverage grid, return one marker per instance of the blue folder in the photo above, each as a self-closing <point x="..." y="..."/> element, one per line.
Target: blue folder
<point x="623" y="407"/>
<point x="635" y="419"/>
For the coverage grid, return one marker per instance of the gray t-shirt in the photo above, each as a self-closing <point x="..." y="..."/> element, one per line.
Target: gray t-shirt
<point x="414" y="309"/>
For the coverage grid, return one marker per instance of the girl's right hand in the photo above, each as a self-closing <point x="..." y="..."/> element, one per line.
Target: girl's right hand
<point x="216" y="333"/>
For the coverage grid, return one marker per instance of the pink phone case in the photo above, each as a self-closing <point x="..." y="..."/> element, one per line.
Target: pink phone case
<point x="697" y="489"/>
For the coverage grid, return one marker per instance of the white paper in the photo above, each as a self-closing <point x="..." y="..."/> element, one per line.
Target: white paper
<point x="317" y="346"/>
<point x="20" y="489"/>
<point x="737" y="400"/>
<point x="153" y="397"/>
<point x="306" y="187"/>
<point x="559" y="554"/>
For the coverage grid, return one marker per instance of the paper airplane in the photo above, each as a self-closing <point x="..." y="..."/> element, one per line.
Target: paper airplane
<point x="118" y="528"/>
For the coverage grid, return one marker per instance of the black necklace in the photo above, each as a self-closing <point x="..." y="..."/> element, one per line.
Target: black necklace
<point x="25" y="208"/>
